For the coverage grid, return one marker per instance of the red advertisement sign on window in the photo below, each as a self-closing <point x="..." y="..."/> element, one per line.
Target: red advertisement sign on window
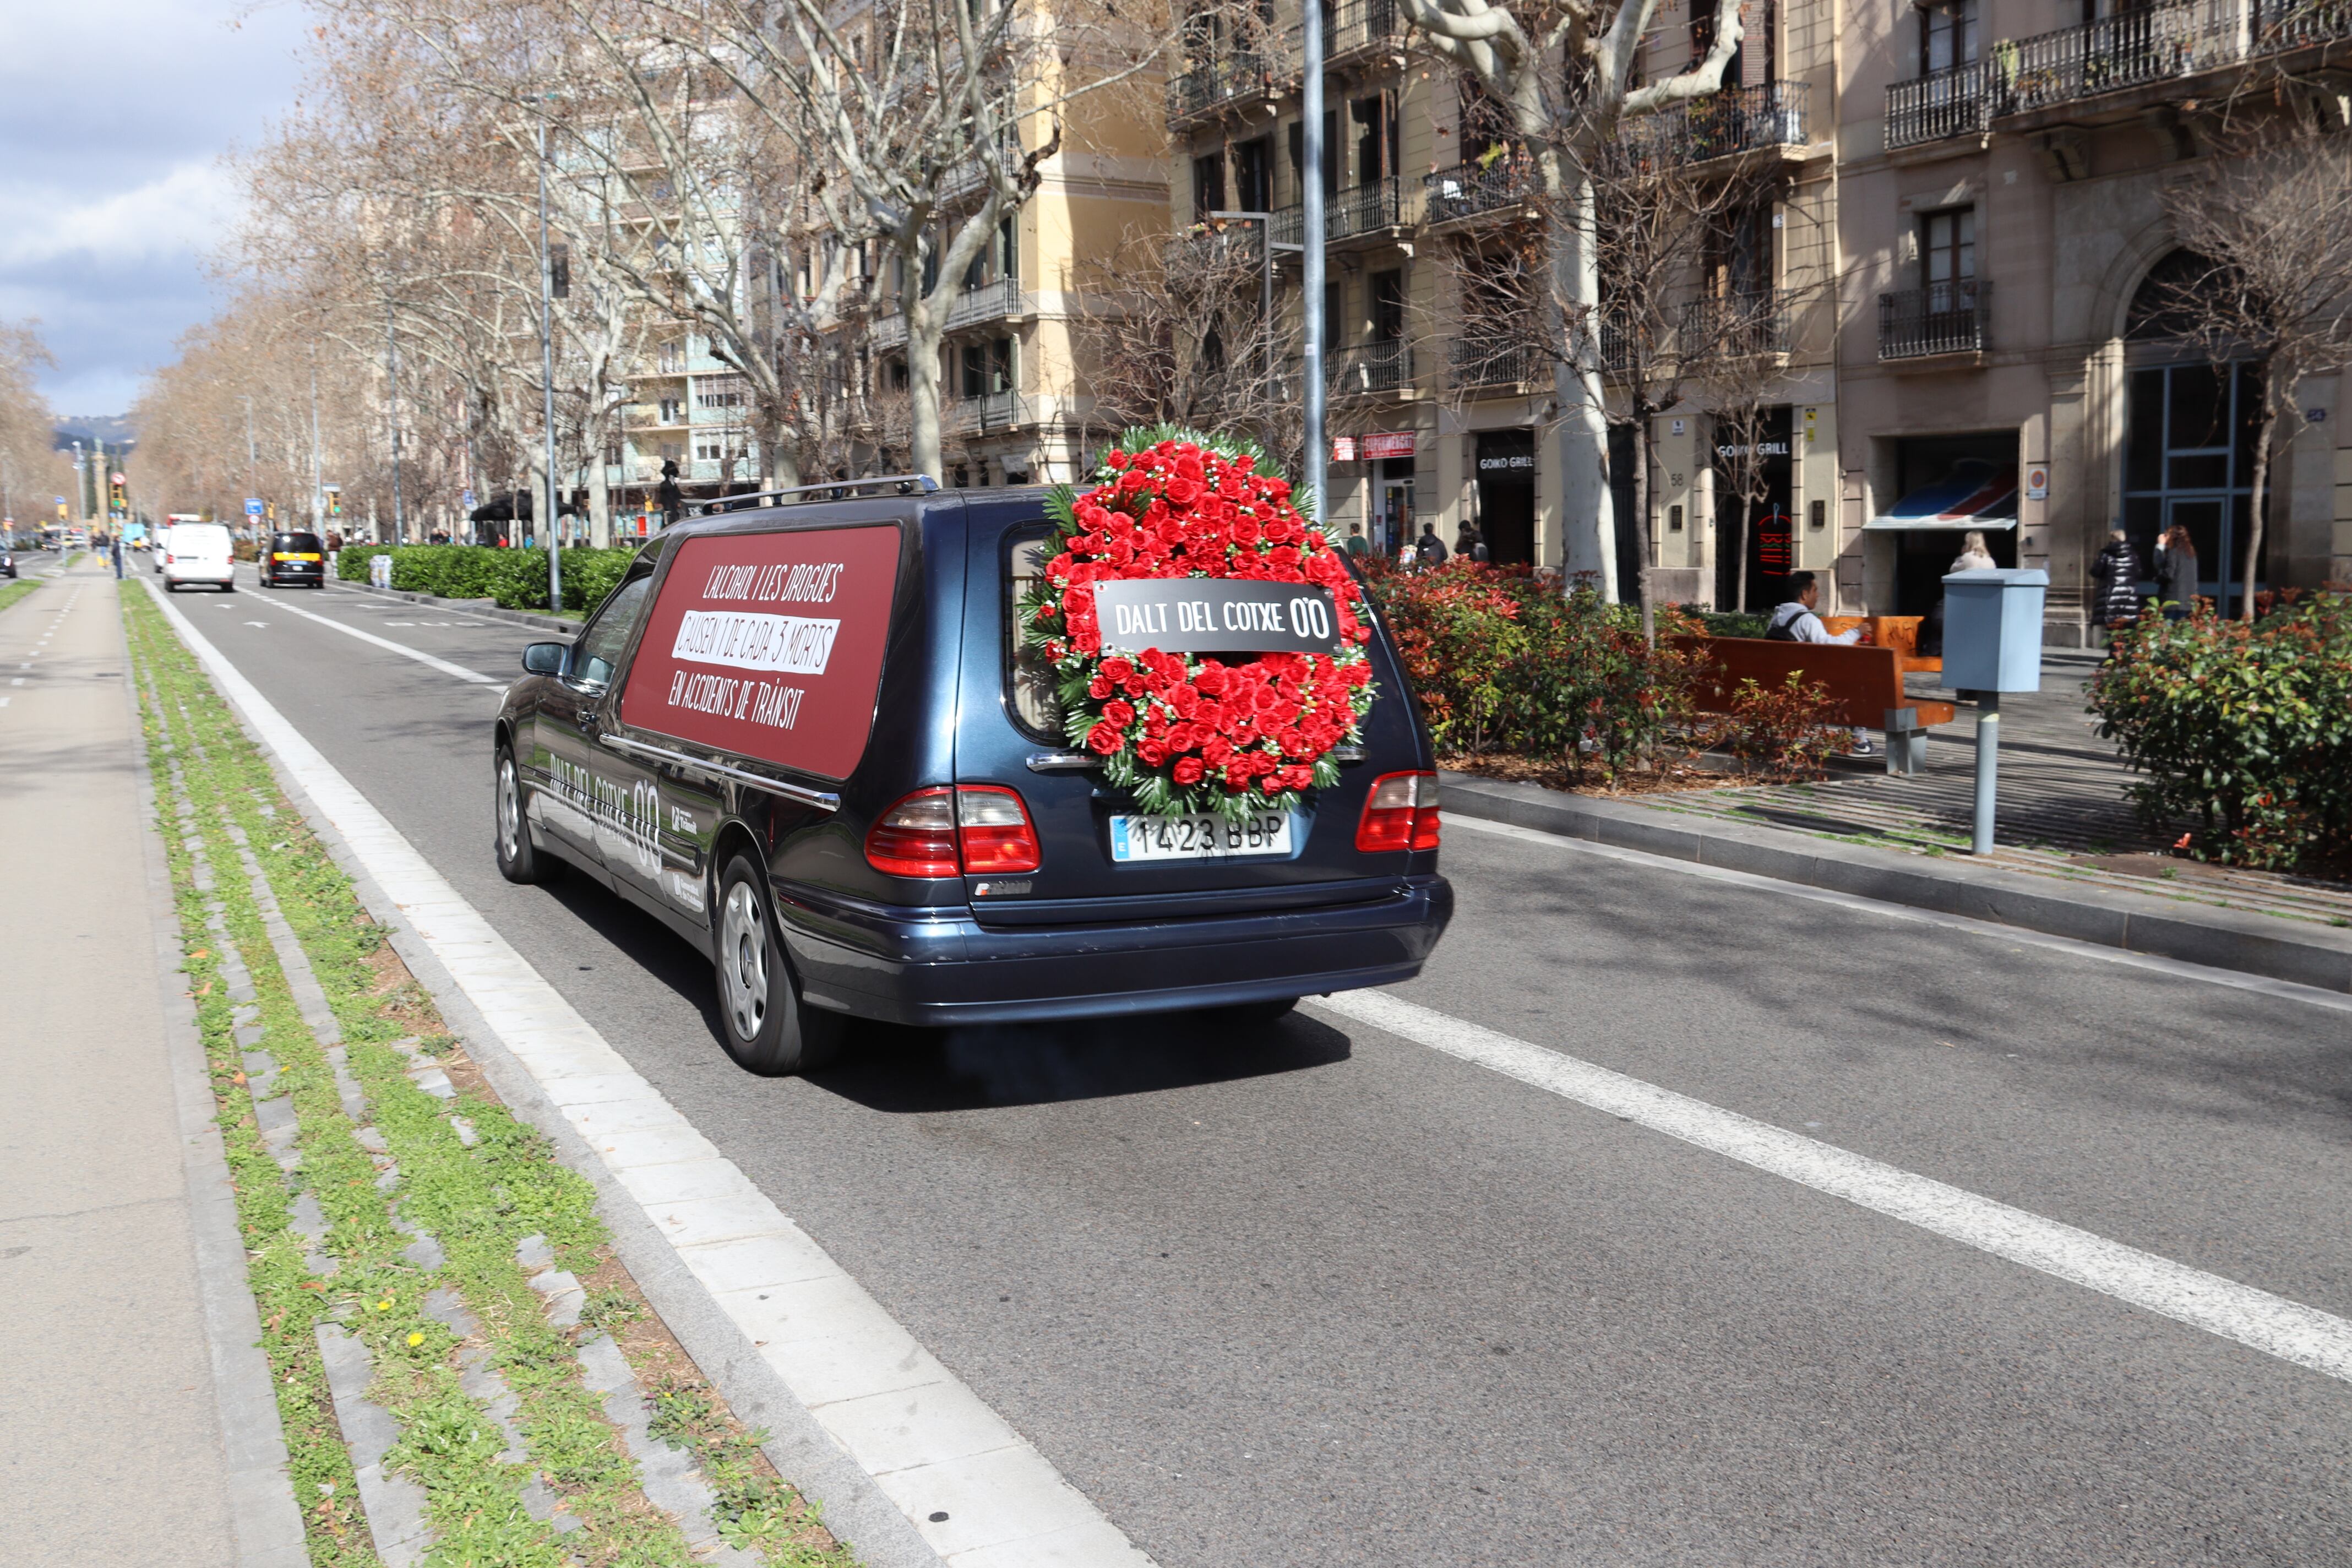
<point x="1776" y="544"/>
<point x="770" y="646"/>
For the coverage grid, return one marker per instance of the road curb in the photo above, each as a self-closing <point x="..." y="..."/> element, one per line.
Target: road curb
<point x="482" y="607"/>
<point x="2190" y="933"/>
<point x="263" y="1513"/>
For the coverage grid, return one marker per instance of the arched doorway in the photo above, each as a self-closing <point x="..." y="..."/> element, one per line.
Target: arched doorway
<point x="2189" y="437"/>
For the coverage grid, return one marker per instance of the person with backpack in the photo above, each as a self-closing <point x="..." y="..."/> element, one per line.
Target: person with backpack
<point x="1432" y="549"/>
<point x="1795" y="620"/>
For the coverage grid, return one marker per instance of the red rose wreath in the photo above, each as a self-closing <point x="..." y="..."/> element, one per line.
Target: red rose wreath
<point x="1189" y="733"/>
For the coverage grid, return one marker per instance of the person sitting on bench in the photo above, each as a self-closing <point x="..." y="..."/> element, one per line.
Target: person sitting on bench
<point x="1794" y="620"/>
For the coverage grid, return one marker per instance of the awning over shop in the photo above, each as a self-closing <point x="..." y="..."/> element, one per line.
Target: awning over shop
<point x="1973" y="495"/>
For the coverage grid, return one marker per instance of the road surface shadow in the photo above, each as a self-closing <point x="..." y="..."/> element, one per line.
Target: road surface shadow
<point x="895" y="1069"/>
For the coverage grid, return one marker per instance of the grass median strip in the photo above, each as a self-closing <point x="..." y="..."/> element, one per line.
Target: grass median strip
<point x="444" y="1228"/>
<point x="12" y="591"/>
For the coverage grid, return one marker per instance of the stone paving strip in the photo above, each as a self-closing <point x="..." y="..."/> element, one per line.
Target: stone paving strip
<point x="465" y="1374"/>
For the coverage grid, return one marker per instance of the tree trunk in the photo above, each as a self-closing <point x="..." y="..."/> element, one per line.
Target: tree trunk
<point x="1588" y="537"/>
<point x="923" y="336"/>
<point x="2262" y="484"/>
<point x="1642" y="439"/>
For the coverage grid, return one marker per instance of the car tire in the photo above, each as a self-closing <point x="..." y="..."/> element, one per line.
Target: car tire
<point x="520" y="860"/>
<point x="768" y="1030"/>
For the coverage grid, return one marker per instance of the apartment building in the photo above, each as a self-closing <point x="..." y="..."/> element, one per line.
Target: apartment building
<point x="2002" y="167"/>
<point x="1917" y="160"/>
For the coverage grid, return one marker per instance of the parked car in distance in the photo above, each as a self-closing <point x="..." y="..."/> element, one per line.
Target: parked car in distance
<point x="878" y="816"/>
<point x="7" y="563"/>
<point x="200" y="553"/>
<point x="294" y="560"/>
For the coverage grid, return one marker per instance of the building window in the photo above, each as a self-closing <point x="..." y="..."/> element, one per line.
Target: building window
<point x="1376" y="138"/>
<point x="987" y="367"/>
<point x="1947" y="35"/>
<point x="1388" y="306"/>
<point x="1947" y="258"/>
<point x="1331" y="154"/>
<point x="673" y="411"/>
<point x="1254" y="175"/>
<point x="1208" y="185"/>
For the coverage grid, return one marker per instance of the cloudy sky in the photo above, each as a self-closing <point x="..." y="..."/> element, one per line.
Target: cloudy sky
<point x="113" y="118"/>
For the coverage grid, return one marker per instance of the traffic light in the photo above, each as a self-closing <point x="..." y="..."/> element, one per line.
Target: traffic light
<point x="118" y="496"/>
<point x="334" y="499"/>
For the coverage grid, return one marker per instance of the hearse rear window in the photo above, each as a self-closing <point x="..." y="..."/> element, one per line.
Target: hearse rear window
<point x="770" y="646"/>
<point x="1030" y="683"/>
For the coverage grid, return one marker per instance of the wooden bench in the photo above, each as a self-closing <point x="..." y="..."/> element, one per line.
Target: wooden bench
<point x="1864" y="682"/>
<point x="1900" y="633"/>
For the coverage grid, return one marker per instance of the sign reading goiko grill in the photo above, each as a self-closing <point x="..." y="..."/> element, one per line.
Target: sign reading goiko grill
<point x="770" y="646"/>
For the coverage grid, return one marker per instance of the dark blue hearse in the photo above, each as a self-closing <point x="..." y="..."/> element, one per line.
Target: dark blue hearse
<point x="803" y="732"/>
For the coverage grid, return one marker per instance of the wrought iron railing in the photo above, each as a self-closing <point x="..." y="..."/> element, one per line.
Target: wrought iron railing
<point x="888" y="331"/>
<point x="989" y="302"/>
<point x="989" y="410"/>
<point x="1722" y="125"/>
<point x="1747" y="322"/>
<point x="2129" y="48"/>
<point x="970" y="177"/>
<point x="1490" y="361"/>
<point x="1941" y="319"/>
<point x="1368" y="368"/>
<point x="1469" y="190"/>
<point x="1354" y="25"/>
<point x="1357" y="210"/>
<point x="1236" y="74"/>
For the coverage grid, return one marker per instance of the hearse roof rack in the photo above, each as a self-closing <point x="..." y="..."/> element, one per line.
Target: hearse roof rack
<point x="832" y="489"/>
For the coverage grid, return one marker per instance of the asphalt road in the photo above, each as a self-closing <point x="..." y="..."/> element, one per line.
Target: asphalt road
<point x="1324" y="1296"/>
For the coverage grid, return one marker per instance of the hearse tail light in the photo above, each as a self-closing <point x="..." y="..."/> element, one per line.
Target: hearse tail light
<point x="916" y="837"/>
<point x="993" y="828"/>
<point x="1401" y="812"/>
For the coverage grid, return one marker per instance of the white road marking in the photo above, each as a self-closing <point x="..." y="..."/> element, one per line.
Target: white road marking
<point x="2017" y="936"/>
<point x="931" y="1445"/>
<point x="419" y="654"/>
<point x="2272" y="1324"/>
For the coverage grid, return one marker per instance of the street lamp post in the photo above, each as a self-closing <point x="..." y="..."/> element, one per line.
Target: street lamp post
<point x="392" y="387"/>
<point x="1311" y="281"/>
<point x="547" y="378"/>
<point x="1266" y="248"/>
<point x="317" y="496"/>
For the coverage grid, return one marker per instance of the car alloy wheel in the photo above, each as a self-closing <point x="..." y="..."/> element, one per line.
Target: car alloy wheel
<point x="510" y="809"/>
<point x="743" y="960"/>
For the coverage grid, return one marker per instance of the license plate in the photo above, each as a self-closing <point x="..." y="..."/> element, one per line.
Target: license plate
<point x="1203" y="838"/>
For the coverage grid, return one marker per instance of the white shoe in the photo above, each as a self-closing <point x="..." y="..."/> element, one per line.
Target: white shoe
<point x="1862" y="749"/>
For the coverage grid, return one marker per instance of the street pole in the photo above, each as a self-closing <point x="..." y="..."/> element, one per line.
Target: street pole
<point x="1988" y="768"/>
<point x="317" y="498"/>
<point x="547" y="377"/>
<point x="1266" y="248"/>
<point x="252" y="462"/>
<point x="392" y="389"/>
<point x="1311" y="284"/>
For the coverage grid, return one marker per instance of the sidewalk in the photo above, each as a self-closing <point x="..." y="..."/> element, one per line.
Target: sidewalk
<point x="2062" y="808"/>
<point x="136" y="1423"/>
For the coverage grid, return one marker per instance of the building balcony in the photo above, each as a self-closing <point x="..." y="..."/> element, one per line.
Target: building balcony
<point x="989" y="302"/>
<point x="885" y="333"/>
<point x="1469" y="191"/>
<point x="1347" y="214"/>
<point x="1238" y="76"/>
<point x="1754" y="322"/>
<point x="1368" y="370"/>
<point x="1941" y="319"/>
<point x="2162" y="45"/>
<point x="1729" y="123"/>
<point x="971" y="178"/>
<point x="1491" y="363"/>
<point x="1939" y="105"/>
<point x="986" y="414"/>
<point x="1353" y="27"/>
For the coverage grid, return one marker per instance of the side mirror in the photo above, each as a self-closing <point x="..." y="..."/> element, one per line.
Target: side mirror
<point x="546" y="657"/>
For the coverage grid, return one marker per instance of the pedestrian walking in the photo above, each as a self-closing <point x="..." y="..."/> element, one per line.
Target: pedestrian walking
<point x="1357" y="546"/>
<point x="2115" y="576"/>
<point x="1431" y="548"/>
<point x="2175" y="572"/>
<point x="116" y="551"/>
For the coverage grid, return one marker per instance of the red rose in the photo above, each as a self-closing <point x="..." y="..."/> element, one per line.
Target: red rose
<point x="1187" y="771"/>
<point x="1133" y="480"/>
<point x="1217" y="750"/>
<point x="1182" y="491"/>
<point x="1212" y="678"/>
<point x="1185" y="700"/>
<point x="1115" y="458"/>
<point x="1099" y="689"/>
<point x="1152" y="753"/>
<point x="1188" y="467"/>
<point x="1105" y="738"/>
<point x="1117" y="669"/>
<point x="1119" y="713"/>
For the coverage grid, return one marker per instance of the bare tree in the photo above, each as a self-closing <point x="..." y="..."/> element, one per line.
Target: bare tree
<point x="1563" y="82"/>
<point x="2271" y="225"/>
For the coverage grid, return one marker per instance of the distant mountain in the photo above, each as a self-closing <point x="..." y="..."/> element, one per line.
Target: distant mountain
<point x="112" y="428"/>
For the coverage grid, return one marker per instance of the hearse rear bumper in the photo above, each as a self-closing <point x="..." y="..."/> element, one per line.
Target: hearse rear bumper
<point x="941" y="967"/>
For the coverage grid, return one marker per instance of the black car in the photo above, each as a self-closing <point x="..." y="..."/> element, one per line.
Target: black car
<point x="294" y="561"/>
<point x="901" y="832"/>
<point x="7" y="563"/>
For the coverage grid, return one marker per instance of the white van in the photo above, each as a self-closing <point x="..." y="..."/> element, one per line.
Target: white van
<point x="199" y="553"/>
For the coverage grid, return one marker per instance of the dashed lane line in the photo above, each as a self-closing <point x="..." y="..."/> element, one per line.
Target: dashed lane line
<point x="2256" y="1319"/>
<point x="975" y="1491"/>
<point x="473" y="676"/>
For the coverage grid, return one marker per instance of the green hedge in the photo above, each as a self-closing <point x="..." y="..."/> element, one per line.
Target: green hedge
<point x="515" y="579"/>
<point x="2242" y="735"/>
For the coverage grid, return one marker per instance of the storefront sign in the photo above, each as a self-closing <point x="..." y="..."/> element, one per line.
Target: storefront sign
<point x="1343" y="448"/>
<point x="1776" y="544"/>
<point x="1517" y="460"/>
<point x="1388" y="444"/>
<point x="770" y="646"/>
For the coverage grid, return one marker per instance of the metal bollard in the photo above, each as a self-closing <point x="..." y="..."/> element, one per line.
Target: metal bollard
<point x="1987" y="766"/>
<point x="1906" y="743"/>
